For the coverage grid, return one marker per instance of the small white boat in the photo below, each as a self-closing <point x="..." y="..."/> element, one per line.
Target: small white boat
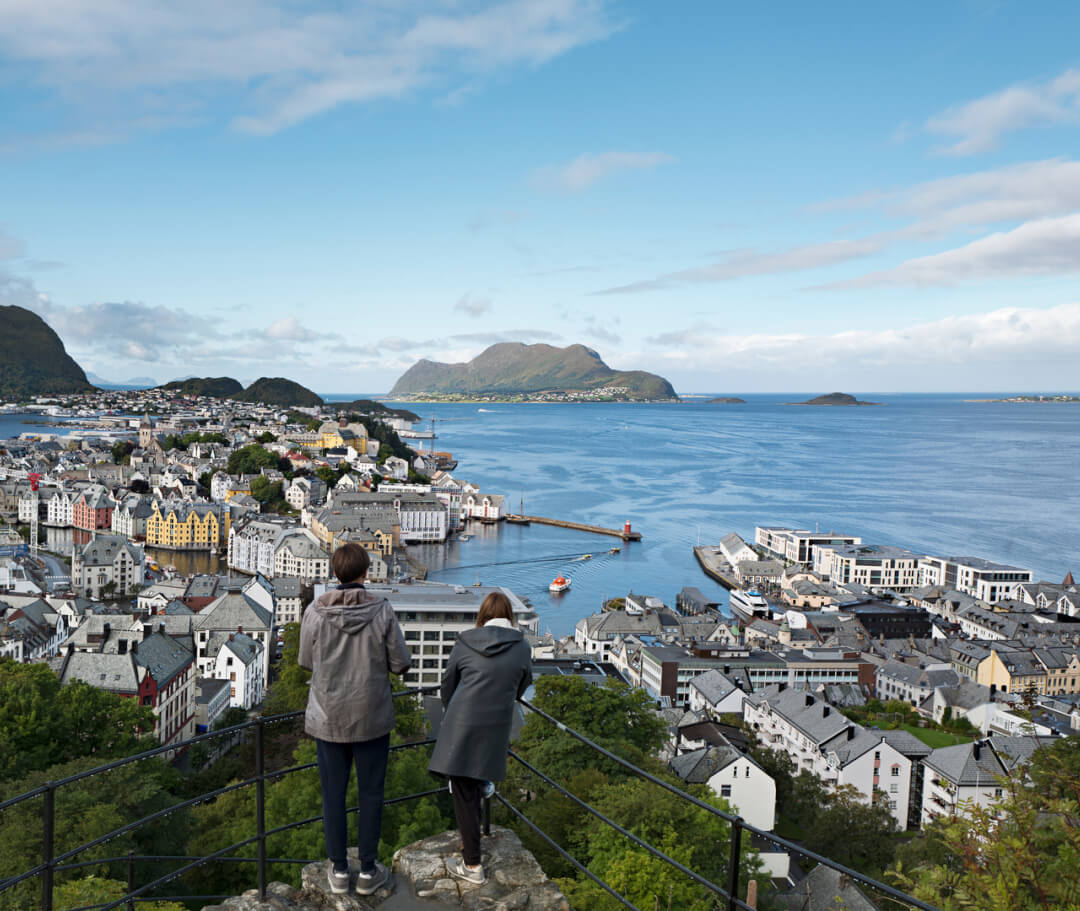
<point x="559" y="584"/>
<point x="464" y="537"/>
<point x="582" y="557"/>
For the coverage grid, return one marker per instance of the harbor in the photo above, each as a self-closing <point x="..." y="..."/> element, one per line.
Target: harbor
<point x="715" y="566"/>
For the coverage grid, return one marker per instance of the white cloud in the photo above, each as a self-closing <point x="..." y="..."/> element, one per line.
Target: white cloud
<point x="744" y="263"/>
<point x="289" y="328"/>
<point x="1050" y="246"/>
<point x="148" y="62"/>
<point x="1005" y="336"/>
<point x="585" y="170"/>
<point x="474" y="305"/>
<point x="978" y="125"/>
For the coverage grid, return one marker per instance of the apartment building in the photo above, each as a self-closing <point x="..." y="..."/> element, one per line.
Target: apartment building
<point x="871" y="565"/>
<point x="983" y="579"/>
<point x="188" y="526"/>
<point x="107" y="566"/>
<point x="799" y="545"/>
<point x="821" y="741"/>
<point x="239" y="661"/>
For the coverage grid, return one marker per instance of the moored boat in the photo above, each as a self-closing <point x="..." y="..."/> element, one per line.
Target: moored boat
<point x="748" y="605"/>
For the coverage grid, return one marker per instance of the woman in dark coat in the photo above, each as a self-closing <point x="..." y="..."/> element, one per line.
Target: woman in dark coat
<point x="489" y="668"/>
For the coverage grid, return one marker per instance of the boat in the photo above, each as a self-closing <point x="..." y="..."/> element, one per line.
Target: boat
<point x="615" y="550"/>
<point x="582" y="557"/>
<point x="464" y="537"/>
<point x="748" y="605"/>
<point x="559" y="584"/>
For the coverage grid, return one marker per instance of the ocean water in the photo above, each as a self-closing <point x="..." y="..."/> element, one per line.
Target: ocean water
<point x="936" y="474"/>
<point x="933" y="473"/>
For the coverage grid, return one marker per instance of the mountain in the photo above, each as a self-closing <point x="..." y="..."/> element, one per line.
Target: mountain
<point x="220" y="387"/>
<point x="135" y="382"/>
<point x="277" y="391"/>
<point x="32" y="358"/>
<point x="370" y="406"/>
<point x="512" y="368"/>
<point x="834" y="398"/>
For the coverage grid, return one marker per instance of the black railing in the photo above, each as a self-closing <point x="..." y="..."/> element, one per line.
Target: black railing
<point x="52" y="863"/>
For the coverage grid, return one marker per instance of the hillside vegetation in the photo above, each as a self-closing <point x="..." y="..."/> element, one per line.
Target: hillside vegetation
<point x="220" y="387"/>
<point x="32" y="358"/>
<point x="512" y="368"/>
<point x="278" y="392"/>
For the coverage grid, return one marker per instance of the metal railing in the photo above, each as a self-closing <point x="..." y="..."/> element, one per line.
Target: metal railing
<point x="52" y="863"/>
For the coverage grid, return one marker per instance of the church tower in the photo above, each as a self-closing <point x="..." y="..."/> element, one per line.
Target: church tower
<point x="146" y="432"/>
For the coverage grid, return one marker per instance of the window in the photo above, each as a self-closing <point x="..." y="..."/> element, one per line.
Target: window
<point x="725" y="790"/>
<point x="896" y="771"/>
<point x="894" y="788"/>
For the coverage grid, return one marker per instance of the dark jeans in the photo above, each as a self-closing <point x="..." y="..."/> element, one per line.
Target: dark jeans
<point x="335" y="759"/>
<point x="467" y="810"/>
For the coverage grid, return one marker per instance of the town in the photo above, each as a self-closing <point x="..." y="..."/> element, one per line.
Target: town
<point x="920" y="681"/>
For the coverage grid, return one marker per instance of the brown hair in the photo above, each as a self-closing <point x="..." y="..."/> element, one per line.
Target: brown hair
<point x="496" y="605"/>
<point x="350" y="562"/>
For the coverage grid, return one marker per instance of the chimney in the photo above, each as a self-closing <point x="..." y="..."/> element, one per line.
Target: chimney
<point x="161" y="628"/>
<point x="809" y="699"/>
<point x="993" y="690"/>
<point x="121" y="647"/>
<point x="825" y="712"/>
<point x="106" y="628"/>
<point x="727" y="669"/>
<point x="851" y="733"/>
<point x="134" y="646"/>
<point x="147" y="629"/>
<point x="976" y="749"/>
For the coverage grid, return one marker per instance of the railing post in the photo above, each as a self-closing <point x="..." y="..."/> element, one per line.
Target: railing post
<point x="260" y="805"/>
<point x="48" y="831"/>
<point x="733" y="863"/>
<point x="131" y="879"/>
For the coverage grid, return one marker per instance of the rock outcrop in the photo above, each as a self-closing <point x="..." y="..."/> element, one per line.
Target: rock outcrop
<point x="515" y="882"/>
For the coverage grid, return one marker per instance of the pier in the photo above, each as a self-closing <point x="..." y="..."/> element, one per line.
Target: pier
<point x="716" y="567"/>
<point x="623" y="533"/>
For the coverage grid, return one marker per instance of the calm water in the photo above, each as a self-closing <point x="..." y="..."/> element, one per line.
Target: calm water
<point x="932" y="473"/>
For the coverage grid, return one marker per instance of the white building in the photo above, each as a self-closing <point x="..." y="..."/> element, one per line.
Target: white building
<point x="734" y="776"/>
<point x="298" y="554"/>
<point x="238" y="610"/>
<point x="821" y="741"/>
<point x="289" y="605"/>
<point x="108" y="562"/>
<point x="716" y="694"/>
<point x="251" y="545"/>
<point x="306" y="492"/>
<point x="983" y="579"/>
<point x="797" y="545"/>
<point x="432" y="616"/>
<point x="871" y="565"/>
<point x="736" y="550"/>
<point x="487" y="507"/>
<point x="60" y="508"/>
<point x="239" y="660"/>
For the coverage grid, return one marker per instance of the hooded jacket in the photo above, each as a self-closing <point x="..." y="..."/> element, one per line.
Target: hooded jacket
<point x="489" y="668"/>
<point x="351" y="642"/>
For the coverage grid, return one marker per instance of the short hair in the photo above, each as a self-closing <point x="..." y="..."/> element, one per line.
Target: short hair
<point x="495" y="606"/>
<point x="350" y="562"/>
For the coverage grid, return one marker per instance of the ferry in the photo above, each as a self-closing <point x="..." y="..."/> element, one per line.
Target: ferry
<point x="748" y="605"/>
<point x="559" y="584"/>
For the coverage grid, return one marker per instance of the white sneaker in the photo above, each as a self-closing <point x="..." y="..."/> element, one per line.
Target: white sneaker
<point x="488" y="790"/>
<point x="457" y="867"/>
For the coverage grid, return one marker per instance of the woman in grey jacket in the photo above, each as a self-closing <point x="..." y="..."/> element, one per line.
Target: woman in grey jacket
<point x="489" y="669"/>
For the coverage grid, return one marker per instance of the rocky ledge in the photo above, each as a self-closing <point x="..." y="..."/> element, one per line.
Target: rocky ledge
<point x="515" y="882"/>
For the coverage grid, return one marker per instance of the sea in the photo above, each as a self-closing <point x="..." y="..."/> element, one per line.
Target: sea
<point x="937" y="474"/>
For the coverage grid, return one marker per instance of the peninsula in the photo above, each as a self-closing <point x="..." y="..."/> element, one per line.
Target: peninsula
<point x="514" y="372"/>
<point x="1057" y="398"/>
<point x="833" y="398"/>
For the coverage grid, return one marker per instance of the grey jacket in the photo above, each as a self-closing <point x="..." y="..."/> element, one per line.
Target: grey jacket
<point x="488" y="670"/>
<point x="351" y="642"/>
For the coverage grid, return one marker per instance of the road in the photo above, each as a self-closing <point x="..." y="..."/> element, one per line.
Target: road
<point x="57" y="577"/>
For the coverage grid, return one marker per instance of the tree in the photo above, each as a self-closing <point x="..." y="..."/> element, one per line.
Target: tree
<point x="91" y="890"/>
<point x="138" y="485"/>
<point x="251" y="459"/>
<point x="327" y="475"/>
<point x="266" y="437"/>
<point x="852" y="832"/>
<point x="43" y="723"/>
<point x="266" y="491"/>
<point x="121" y="451"/>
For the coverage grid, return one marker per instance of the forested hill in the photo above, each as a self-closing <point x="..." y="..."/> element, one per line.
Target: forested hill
<point x="278" y="392"/>
<point x="214" y="386"/>
<point x="32" y="358"/>
<point x="512" y="368"/>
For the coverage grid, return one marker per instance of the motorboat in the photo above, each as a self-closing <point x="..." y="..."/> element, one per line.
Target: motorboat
<point x="559" y="584"/>
<point x="582" y="557"/>
<point x="748" y="605"/>
<point x="615" y="550"/>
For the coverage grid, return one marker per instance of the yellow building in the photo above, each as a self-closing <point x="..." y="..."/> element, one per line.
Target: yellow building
<point x="187" y="526"/>
<point x="330" y="435"/>
<point x="1047" y="671"/>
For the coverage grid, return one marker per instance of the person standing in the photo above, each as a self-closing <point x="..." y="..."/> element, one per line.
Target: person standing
<point x="351" y="642"/>
<point x="490" y="667"/>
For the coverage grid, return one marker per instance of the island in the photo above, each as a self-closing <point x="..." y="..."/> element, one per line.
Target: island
<point x="833" y="398"/>
<point x="278" y="392"/>
<point x="1056" y="398"/>
<point x="371" y="407"/>
<point x="726" y="400"/>
<point x="515" y="372"/>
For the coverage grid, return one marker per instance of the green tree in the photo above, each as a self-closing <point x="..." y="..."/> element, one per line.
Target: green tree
<point x="266" y="437"/>
<point x="43" y="723"/>
<point x="91" y="890"/>
<point x="121" y="451"/>
<point x="251" y="459"/>
<point x="266" y="491"/>
<point x="852" y="832"/>
<point x="327" y="475"/>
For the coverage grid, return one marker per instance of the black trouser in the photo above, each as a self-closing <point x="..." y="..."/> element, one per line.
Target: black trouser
<point x="467" y="809"/>
<point x="335" y="760"/>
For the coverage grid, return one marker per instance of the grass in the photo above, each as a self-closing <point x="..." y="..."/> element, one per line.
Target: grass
<point x="935" y="739"/>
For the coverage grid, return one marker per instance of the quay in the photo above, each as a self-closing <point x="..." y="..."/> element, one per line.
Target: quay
<point x="625" y="533"/>
<point x="715" y="566"/>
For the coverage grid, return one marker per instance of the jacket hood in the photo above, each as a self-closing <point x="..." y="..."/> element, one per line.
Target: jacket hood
<point x="349" y="609"/>
<point x="490" y="640"/>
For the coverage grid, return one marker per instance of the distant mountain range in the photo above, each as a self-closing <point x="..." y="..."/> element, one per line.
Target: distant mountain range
<point x="33" y="360"/>
<point x="514" y="369"/>
<point x="136" y="382"/>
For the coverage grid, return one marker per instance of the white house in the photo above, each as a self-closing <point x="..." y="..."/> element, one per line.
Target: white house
<point x="306" y="492"/>
<point x="251" y="545"/>
<point x="734" y="776"/>
<point x="240" y="661"/>
<point x="823" y="742"/>
<point x="60" y="508"/>
<point x="488" y="507"/>
<point x="298" y="554"/>
<point x="108" y="561"/>
<point x="715" y="694"/>
<point x="871" y="565"/>
<point x="238" y="610"/>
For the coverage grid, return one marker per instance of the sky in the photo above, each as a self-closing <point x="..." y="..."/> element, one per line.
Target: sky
<point x="765" y="197"/>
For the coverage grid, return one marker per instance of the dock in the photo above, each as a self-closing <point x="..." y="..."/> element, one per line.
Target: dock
<point x="579" y="526"/>
<point x="716" y="567"/>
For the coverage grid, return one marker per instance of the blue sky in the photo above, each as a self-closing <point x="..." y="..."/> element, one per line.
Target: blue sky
<point x="741" y="197"/>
